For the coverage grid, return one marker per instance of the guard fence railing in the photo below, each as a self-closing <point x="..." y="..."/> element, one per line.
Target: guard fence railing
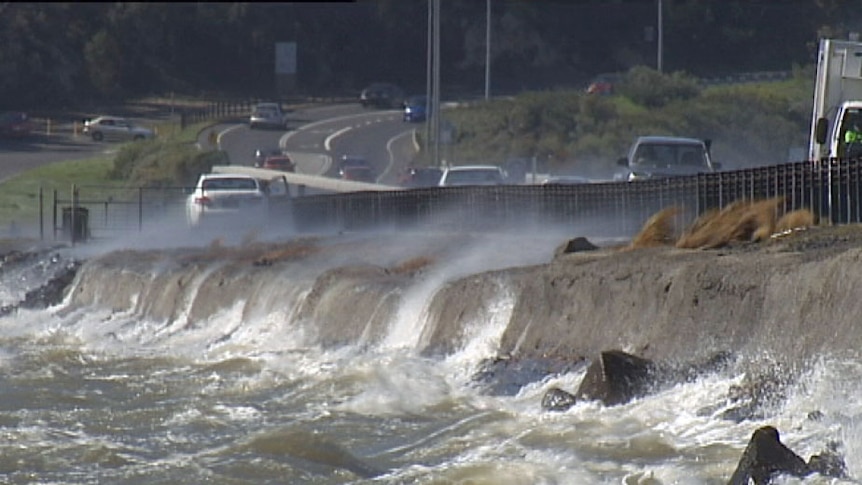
<point x="830" y="189"/>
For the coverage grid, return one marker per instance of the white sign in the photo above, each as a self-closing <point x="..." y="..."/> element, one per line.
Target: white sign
<point x="285" y="57"/>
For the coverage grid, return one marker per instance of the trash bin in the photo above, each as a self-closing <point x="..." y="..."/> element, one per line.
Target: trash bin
<point x="76" y="223"/>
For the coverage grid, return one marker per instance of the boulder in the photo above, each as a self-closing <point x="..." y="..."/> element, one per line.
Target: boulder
<point x="557" y="399"/>
<point x="616" y="378"/>
<point x="765" y="457"/>
<point x="575" y="245"/>
<point x="829" y="464"/>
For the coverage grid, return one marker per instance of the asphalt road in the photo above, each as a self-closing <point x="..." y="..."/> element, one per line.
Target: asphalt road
<point x="320" y="136"/>
<point x="39" y="149"/>
<point x="317" y="136"/>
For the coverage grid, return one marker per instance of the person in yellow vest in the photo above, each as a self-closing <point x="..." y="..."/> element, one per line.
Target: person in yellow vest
<point x="853" y="141"/>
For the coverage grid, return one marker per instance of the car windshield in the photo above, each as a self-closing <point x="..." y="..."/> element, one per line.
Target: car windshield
<point x="472" y="176"/>
<point x="668" y="155"/>
<point x="230" y="184"/>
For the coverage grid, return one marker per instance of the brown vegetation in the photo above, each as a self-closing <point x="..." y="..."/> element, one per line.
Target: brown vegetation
<point x="741" y="221"/>
<point x="412" y="265"/>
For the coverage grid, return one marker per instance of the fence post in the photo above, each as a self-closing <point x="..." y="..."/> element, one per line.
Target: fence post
<point x="41" y="215"/>
<point x="72" y="216"/>
<point x="55" y="214"/>
<point x="140" y="209"/>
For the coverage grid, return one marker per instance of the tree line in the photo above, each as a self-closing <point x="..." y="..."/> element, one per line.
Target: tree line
<point x="62" y="53"/>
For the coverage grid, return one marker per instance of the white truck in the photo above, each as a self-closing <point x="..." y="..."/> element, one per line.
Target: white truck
<point x="837" y="98"/>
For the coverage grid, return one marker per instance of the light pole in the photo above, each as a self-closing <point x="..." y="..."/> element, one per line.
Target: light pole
<point x="487" y="49"/>
<point x="660" y="39"/>
<point x="435" y="89"/>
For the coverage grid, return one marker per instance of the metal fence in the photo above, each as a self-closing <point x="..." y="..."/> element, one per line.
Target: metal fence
<point x="828" y="188"/>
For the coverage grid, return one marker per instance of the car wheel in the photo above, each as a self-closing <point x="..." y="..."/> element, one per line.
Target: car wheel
<point x="252" y="126"/>
<point x="97" y="136"/>
<point x="138" y="137"/>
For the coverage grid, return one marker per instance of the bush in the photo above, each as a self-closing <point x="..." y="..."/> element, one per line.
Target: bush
<point x="163" y="163"/>
<point x="749" y="124"/>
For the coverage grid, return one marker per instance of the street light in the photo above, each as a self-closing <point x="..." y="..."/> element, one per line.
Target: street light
<point x="487" y="49"/>
<point x="660" y="39"/>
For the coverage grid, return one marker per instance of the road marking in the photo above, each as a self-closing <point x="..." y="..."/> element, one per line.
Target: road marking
<point x="327" y="143"/>
<point x="391" y="153"/>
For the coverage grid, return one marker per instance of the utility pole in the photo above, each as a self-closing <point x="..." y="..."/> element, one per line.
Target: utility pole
<point x="487" y="49"/>
<point x="435" y="89"/>
<point x="660" y="38"/>
<point x="428" y="87"/>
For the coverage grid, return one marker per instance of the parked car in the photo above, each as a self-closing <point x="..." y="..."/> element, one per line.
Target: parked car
<point x="218" y="195"/>
<point x="667" y="156"/>
<point x="279" y="162"/>
<point x="15" y="124"/>
<point x="357" y="168"/>
<point x="267" y="115"/>
<point x="472" y="175"/>
<point x="116" y="128"/>
<point x="382" y="95"/>
<point x="415" y="109"/>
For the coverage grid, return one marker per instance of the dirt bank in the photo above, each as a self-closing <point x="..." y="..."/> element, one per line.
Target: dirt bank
<point x="789" y="298"/>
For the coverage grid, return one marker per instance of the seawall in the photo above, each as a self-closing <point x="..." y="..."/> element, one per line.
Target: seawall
<point x="791" y="299"/>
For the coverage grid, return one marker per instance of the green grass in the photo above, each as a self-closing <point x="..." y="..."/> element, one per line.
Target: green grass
<point x="19" y="195"/>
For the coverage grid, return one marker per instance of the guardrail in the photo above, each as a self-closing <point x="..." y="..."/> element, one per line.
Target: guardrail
<point x="829" y="188"/>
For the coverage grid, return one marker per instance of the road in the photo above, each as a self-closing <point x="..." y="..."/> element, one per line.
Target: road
<point x="17" y="156"/>
<point x="322" y="135"/>
<point x="319" y="135"/>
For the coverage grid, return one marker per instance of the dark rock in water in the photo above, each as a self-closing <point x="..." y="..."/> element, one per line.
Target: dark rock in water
<point x="829" y="463"/>
<point x="557" y="399"/>
<point x="505" y="376"/>
<point x="616" y="378"/>
<point x="766" y="457"/>
<point x="575" y="245"/>
<point x="756" y="393"/>
<point x="51" y="293"/>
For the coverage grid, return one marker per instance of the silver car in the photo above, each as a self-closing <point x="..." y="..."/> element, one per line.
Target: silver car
<point x="267" y="115"/>
<point x="116" y="128"/>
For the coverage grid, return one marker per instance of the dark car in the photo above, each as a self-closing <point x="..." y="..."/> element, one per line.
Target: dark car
<point x="15" y="124"/>
<point x="358" y="174"/>
<point x="415" y="177"/>
<point x="352" y="167"/>
<point x="382" y="95"/>
<point x="415" y="109"/>
<point x="652" y="157"/>
<point x="261" y="154"/>
<point x="279" y="162"/>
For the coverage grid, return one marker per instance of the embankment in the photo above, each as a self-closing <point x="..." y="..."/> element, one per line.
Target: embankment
<point x="790" y="298"/>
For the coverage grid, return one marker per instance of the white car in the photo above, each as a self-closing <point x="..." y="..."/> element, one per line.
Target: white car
<point x="218" y="196"/>
<point x="116" y="128"/>
<point x="472" y="175"/>
<point x="267" y="115"/>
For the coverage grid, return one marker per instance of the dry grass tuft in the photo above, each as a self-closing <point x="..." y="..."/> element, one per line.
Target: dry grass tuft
<point x="739" y="221"/>
<point x="798" y="219"/>
<point x="659" y="230"/>
<point x="412" y="265"/>
<point x="286" y="253"/>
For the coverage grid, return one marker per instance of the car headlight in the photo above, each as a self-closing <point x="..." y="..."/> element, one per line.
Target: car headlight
<point x="639" y="176"/>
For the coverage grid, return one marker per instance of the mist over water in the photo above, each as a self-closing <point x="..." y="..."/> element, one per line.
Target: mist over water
<point x="105" y="389"/>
